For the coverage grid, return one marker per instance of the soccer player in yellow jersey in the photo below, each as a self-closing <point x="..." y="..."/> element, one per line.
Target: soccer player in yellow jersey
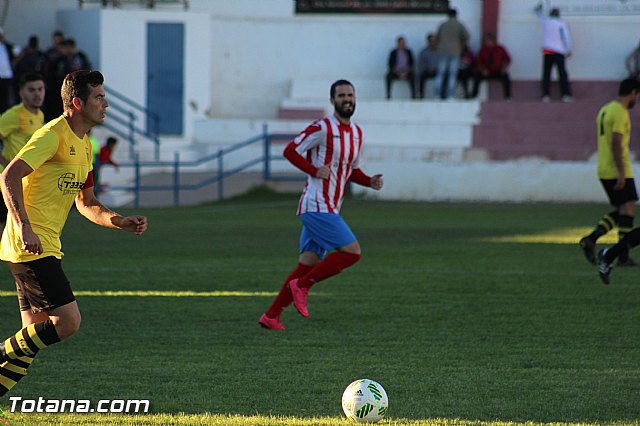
<point x="49" y="174"/>
<point x="614" y="170"/>
<point x="19" y="122"/>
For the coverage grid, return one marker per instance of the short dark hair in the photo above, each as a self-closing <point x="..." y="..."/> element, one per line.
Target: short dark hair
<point x="111" y="141"/>
<point x="627" y="86"/>
<point x="452" y="13"/>
<point x="28" y="78"/>
<point x="77" y="85"/>
<point x="33" y="42"/>
<point x="554" y="12"/>
<point x="332" y="91"/>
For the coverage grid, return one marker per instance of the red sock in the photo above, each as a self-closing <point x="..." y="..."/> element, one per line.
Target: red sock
<point x="330" y="266"/>
<point x="283" y="299"/>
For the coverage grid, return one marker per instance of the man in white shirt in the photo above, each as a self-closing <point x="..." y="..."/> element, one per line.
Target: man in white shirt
<point x="6" y="73"/>
<point x="556" y="46"/>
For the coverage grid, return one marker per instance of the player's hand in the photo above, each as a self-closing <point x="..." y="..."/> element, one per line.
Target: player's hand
<point x="30" y="241"/>
<point x="377" y="182"/>
<point x="323" y="172"/>
<point x="135" y="224"/>
<point x="619" y="183"/>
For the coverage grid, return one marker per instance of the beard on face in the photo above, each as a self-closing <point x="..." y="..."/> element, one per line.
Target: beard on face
<point x="340" y="110"/>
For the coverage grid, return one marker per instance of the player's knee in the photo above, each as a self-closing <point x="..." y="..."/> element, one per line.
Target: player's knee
<point x="68" y="326"/>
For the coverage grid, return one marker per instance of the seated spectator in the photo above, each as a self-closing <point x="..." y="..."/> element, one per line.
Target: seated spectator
<point x="493" y="63"/>
<point x="427" y="63"/>
<point x="401" y="67"/>
<point x="632" y="63"/>
<point x="466" y="70"/>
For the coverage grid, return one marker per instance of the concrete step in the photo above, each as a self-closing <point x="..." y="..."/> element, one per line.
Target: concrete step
<point x="537" y="111"/>
<point x="530" y="90"/>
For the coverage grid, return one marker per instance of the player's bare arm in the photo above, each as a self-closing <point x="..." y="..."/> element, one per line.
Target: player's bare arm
<point x="11" y="182"/>
<point x="91" y="208"/>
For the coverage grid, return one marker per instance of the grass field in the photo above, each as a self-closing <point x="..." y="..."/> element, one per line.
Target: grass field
<point x="467" y="314"/>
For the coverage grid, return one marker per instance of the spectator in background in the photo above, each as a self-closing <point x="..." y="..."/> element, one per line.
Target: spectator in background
<point x="30" y="60"/>
<point x="400" y="67"/>
<point x="78" y="60"/>
<point x="451" y="36"/>
<point x="632" y="63"/>
<point x="95" y="149"/>
<point x="427" y="63"/>
<point x="6" y="73"/>
<point x="493" y="63"/>
<point x="556" y="47"/>
<point x="68" y="59"/>
<point x="54" y="50"/>
<point x="104" y="157"/>
<point x="466" y="70"/>
<point x="19" y="123"/>
<point x="56" y="67"/>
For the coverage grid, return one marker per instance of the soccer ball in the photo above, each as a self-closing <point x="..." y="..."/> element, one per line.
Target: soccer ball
<point x="365" y="401"/>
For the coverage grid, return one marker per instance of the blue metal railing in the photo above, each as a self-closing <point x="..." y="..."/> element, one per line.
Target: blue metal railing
<point x="220" y="172"/>
<point x="122" y="122"/>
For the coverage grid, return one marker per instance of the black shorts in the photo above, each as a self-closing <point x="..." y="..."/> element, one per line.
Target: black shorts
<point x="622" y="196"/>
<point x="41" y="284"/>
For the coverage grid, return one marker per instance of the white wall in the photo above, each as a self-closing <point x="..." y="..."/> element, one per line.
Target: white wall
<point x="243" y="54"/>
<point x="256" y="58"/>
<point x="509" y="181"/>
<point x="37" y="17"/>
<point x="119" y="36"/>
<point x="601" y="41"/>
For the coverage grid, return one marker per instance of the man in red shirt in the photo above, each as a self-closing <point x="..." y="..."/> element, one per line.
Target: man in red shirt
<point x="493" y="63"/>
<point x="104" y="157"/>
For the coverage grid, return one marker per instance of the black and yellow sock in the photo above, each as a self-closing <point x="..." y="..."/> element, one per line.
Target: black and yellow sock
<point x="29" y="340"/>
<point x="19" y="350"/>
<point x="12" y="371"/>
<point x="625" y="225"/>
<point x="606" y="224"/>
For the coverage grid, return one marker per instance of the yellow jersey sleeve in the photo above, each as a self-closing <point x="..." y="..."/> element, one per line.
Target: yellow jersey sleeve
<point x="8" y="122"/>
<point x="41" y="147"/>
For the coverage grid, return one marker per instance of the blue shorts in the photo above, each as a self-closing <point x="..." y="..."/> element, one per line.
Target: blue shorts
<point x="323" y="232"/>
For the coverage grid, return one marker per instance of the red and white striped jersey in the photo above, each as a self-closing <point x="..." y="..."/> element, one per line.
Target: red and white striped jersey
<point x="327" y="141"/>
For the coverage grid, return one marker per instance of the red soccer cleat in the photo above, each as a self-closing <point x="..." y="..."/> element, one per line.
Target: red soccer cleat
<point x="299" y="297"/>
<point x="271" y="323"/>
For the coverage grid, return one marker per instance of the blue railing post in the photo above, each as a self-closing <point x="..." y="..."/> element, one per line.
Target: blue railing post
<point x="132" y="132"/>
<point x="267" y="153"/>
<point x="156" y="141"/>
<point x="136" y="191"/>
<point x="176" y="179"/>
<point x="220" y="175"/>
